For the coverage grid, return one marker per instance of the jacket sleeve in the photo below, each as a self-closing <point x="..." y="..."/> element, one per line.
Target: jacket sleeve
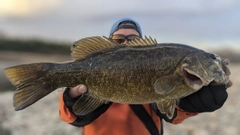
<point x="178" y="117"/>
<point x="67" y="115"/>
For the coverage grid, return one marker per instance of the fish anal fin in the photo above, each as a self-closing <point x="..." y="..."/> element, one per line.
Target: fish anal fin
<point x="87" y="104"/>
<point x="166" y="84"/>
<point x="167" y="107"/>
<point x="88" y="45"/>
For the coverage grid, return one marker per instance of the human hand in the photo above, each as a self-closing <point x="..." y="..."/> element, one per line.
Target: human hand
<point x="207" y="99"/>
<point x="77" y="91"/>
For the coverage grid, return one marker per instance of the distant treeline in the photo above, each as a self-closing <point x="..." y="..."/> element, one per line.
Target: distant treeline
<point x="34" y="45"/>
<point x="40" y="46"/>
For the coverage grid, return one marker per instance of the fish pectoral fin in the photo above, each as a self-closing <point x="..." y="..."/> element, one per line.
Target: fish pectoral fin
<point x="166" y="84"/>
<point x="87" y="104"/>
<point x="167" y="106"/>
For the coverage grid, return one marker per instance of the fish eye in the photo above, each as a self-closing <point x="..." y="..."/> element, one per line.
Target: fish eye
<point x="213" y="56"/>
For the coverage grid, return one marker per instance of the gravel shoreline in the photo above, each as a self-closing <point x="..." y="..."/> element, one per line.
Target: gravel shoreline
<point x="42" y="118"/>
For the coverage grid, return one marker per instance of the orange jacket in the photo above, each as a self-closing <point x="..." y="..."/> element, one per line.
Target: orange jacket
<point x="119" y="119"/>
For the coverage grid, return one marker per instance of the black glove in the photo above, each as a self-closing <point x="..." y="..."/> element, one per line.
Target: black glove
<point x="207" y="99"/>
<point x="86" y="119"/>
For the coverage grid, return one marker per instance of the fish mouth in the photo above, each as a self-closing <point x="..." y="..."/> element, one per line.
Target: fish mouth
<point x="193" y="78"/>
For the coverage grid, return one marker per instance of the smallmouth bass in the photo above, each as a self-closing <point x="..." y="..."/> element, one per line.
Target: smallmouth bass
<point x="139" y="72"/>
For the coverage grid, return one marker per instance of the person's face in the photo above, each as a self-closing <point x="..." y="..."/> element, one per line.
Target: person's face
<point x="127" y="32"/>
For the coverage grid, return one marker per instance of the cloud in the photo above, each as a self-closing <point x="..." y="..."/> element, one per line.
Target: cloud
<point x="22" y="8"/>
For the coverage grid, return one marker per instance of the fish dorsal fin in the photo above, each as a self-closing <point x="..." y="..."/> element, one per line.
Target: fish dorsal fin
<point x="85" y="46"/>
<point x="142" y="42"/>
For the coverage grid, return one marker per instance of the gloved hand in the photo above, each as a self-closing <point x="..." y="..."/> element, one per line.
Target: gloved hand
<point x="207" y="99"/>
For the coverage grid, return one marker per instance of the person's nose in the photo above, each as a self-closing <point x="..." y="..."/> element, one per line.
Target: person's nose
<point x="125" y="41"/>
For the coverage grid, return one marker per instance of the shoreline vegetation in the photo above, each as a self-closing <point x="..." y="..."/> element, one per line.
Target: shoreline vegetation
<point x="34" y="45"/>
<point x="63" y="48"/>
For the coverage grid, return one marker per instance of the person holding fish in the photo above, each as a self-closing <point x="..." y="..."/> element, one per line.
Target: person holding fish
<point x="126" y="84"/>
<point x="135" y="119"/>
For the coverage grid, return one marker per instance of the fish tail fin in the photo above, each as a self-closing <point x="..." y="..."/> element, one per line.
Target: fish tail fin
<point x="31" y="81"/>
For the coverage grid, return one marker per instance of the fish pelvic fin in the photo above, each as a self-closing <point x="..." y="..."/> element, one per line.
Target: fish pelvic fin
<point x="31" y="82"/>
<point x="167" y="107"/>
<point x="86" y="46"/>
<point x="166" y="84"/>
<point x="147" y="41"/>
<point x="87" y="104"/>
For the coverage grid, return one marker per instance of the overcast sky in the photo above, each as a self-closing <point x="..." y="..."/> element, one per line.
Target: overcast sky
<point x="200" y="23"/>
